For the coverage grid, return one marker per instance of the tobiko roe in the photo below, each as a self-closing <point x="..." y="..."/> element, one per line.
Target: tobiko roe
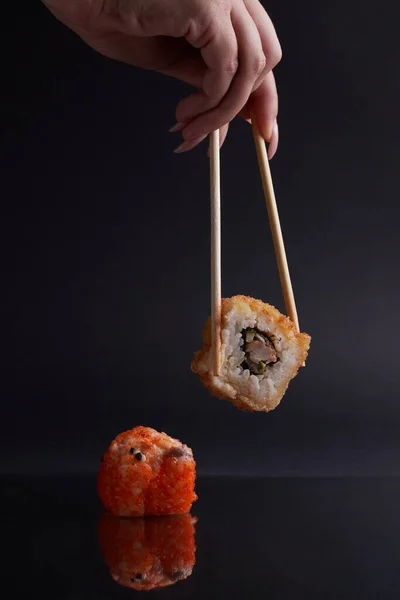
<point x="145" y="472"/>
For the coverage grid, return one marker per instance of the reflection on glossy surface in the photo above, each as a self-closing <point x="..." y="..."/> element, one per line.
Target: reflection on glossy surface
<point x="148" y="552"/>
<point x="274" y="539"/>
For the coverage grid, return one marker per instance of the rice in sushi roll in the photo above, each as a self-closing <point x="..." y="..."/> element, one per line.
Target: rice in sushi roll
<point x="261" y="352"/>
<point x="145" y="472"/>
<point x="150" y="552"/>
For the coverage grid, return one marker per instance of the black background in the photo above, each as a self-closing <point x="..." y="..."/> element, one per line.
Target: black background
<point x="105" y="235"/>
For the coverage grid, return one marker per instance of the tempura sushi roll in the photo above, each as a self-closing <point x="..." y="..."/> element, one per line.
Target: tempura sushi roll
<point x="150" y="552"/>
<point x="261" y="352"/>
<point x="144" y="472"/>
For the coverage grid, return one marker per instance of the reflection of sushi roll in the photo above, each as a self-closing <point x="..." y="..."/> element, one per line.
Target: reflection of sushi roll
<point x="261" y="353"/>
<point x="145" y="472"/>
<point x="150" y="552"/>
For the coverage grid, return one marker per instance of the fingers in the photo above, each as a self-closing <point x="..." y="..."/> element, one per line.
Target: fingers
<point x="220" y="55"/>
<point x="189" y="145"/>
<point x="264" y="106"/>
<point x="251" y="65"/>
<point x="269" y="40"/>
<point x="187" y="65"/>
<point x="265" y="99"/>
<point x="258" y="52"/>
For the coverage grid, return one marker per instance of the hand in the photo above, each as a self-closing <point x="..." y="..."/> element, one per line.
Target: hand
<point x="225" y="48"/>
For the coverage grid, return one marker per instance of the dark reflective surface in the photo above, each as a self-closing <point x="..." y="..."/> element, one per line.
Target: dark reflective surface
<point x="255" y="538"/>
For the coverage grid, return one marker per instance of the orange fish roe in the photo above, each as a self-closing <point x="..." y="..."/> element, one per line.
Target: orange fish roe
<point x="146" y="553"/>
<point x="144" y="472"/>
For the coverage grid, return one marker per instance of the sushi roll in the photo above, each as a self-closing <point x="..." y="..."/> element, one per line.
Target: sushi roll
<point x="144" y="472"/>
<point x="261" y="352"/>
<point x="150" y="552"/>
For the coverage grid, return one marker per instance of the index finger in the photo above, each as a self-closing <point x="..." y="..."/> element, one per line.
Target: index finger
<point x="220" y="55"/>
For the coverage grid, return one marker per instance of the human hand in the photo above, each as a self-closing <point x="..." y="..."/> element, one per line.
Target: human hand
<point x="225" y="48"/>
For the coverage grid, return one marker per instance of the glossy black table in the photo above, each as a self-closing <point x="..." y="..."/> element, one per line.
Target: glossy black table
<point x="255" y="537"/>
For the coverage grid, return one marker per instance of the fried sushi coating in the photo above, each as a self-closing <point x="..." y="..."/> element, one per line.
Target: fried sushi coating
<point x="145" y="472"/>
<point x="261" y="353"/>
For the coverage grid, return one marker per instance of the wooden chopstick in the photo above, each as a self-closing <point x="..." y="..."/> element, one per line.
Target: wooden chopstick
<point x="274" y="222"/>
<point x="215" y="197"/>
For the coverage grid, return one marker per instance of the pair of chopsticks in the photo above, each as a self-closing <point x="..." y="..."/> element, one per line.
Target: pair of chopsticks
<point x="276" y="231"/>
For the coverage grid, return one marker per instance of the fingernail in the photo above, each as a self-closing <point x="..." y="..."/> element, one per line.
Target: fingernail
<point x="177" y="127"/>
<point x="269" y="130"/>
<point x="223" y="134"/>
<point x="189" y="144"/>
<point x="182" y="147"/>
<point x="273" y="146"/>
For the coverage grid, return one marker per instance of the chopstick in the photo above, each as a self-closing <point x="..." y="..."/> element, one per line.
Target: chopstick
<point x="274" y="222"/>
<point x="215" y="197"/>
<point x="276" y="231"/>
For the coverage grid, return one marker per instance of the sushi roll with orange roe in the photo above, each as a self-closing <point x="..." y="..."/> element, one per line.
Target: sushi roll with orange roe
<point x="144" y="472"/>
<point x="148" y="553"/>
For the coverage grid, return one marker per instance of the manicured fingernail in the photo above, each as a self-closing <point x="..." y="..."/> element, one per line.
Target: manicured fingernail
<point x="223" y="134"/>
<point x="177" y="127"/>
<point x="189" y="144"/>
<point x="183" y="147"/>
<point x="269" y="130"/>
<point x="274" y="142"/>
